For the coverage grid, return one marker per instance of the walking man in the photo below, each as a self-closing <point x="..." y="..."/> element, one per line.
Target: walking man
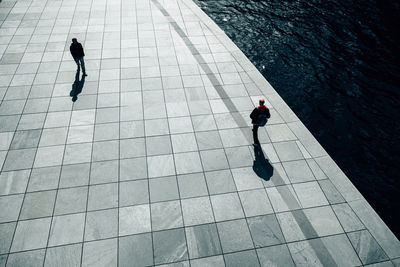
<point x="259" y="117"/>
<point x="78" y="54"/>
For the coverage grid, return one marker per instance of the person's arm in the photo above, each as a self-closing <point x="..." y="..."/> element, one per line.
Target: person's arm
<point x="71" y="50"/>
<point x="253" y="114"/>
<point x="81" y="49"/>
<point x="268" y="114"/>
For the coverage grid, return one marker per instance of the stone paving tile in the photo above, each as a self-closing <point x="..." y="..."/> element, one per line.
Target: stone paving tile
<point x="152" y="163"/>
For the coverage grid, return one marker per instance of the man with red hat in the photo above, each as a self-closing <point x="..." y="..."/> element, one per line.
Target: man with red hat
<point x="259" y="117"/>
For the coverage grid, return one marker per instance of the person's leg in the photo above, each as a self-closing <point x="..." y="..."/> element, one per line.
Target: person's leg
<point x="255" y="134"/>
<point x="83" y="65"/>
<point x="77" y="63"/>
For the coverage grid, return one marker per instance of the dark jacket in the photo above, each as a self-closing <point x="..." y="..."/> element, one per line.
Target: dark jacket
<point x="257" y="111"/>
<point x="76" y="50"/>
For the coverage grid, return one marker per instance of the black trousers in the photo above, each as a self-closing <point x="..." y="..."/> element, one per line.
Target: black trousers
<point x="255" y="134"/>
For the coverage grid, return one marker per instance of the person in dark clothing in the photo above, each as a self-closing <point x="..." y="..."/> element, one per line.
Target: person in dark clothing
<point x="259" y="117"/>
<point x="78" y="54"/>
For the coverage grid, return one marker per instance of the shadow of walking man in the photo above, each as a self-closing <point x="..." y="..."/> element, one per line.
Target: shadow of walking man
<point x="261" y="165"/>
<point x="77" y="87"/>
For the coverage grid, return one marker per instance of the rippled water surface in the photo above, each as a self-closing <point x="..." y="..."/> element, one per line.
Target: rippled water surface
<point x="336" y="64"/>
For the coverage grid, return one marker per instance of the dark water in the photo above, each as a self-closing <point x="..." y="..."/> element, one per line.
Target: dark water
<point x="336" y="64"/>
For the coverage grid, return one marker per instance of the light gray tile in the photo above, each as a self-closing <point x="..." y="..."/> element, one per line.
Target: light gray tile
<point x="215" y="261"/>
<point x="288" y="151"/>
<point x="100" y="253"/>
<point x="246" y="179"/>
<point x="234" y="235"/>
<point x="71" y="200"/>
<point x="197" y="211"/>
<point x="133" y="169"/>
<point x="101" y="224"/>
<point x="166" y="215"/>
<point x="67" y="229"/>
<point x="214" y="160"/>
<point x="64" y="256"/>
<point x="158" y="145"/>
<point x="265" y="231"/>
<point x="130" y="148"/>
<point x="227" y="207"/>
<point x="310" y="194"/>
<point x="332" y="194"/>
<point x="298" y="171"/>
<point x="19" y="159"/>
<point x="31" y="234"/>
<point x="160" y="166"/>
<point x="188" y="162"/>
<point x="134" y="220"/>
<point x="255" y="202"/>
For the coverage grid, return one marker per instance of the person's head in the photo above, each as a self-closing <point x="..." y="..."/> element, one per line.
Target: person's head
<point x="261" y="102"/>
<point x="74" y="40"/>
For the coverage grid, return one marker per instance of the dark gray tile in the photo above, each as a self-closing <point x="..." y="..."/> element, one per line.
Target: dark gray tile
<point x="164" y="188"/>
<point x="133" y="193"/>
<point x="169" y="246"/>
<point x="348" y="219"/>
<point x="71" y="200"/>
<point x="138" y="247"/>
<point x="44" y="178"/>
<point x="104" y="172"/>
<point x="275" y="256"/>
<point x="220" y="182"/>
<point x="75" y="175"/>
<point x="103" y="196"/>
<point x="192" y="185"/>
<point x="9" y="123"/>
<point x="208" y="140"/>
<point x="214" y="160"/>
<point x="27" y="259"/>
<point x="330" y="191"/>
<point x="25" y="139"/>
<point x="366" y="247"/>
<point x="6" y="233"/>
<point x="108" y="131"/>
<point x="106" y="150"/>
<point x="215" y="261"/>
<point x="234" y="235"/>
<point x="158" y="145"/>
<point x="242" y="259"/>
<point x="133" y="169"/>
<point x="19" y="159"/>
<point x="14" y="182"/>
<point x="265" y="231"/>
<point x="38" y="204"/>
<point x="203" y="241"/>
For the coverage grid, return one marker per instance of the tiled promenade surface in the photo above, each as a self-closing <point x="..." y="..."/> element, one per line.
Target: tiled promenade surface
<point x="153" y="163"/>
